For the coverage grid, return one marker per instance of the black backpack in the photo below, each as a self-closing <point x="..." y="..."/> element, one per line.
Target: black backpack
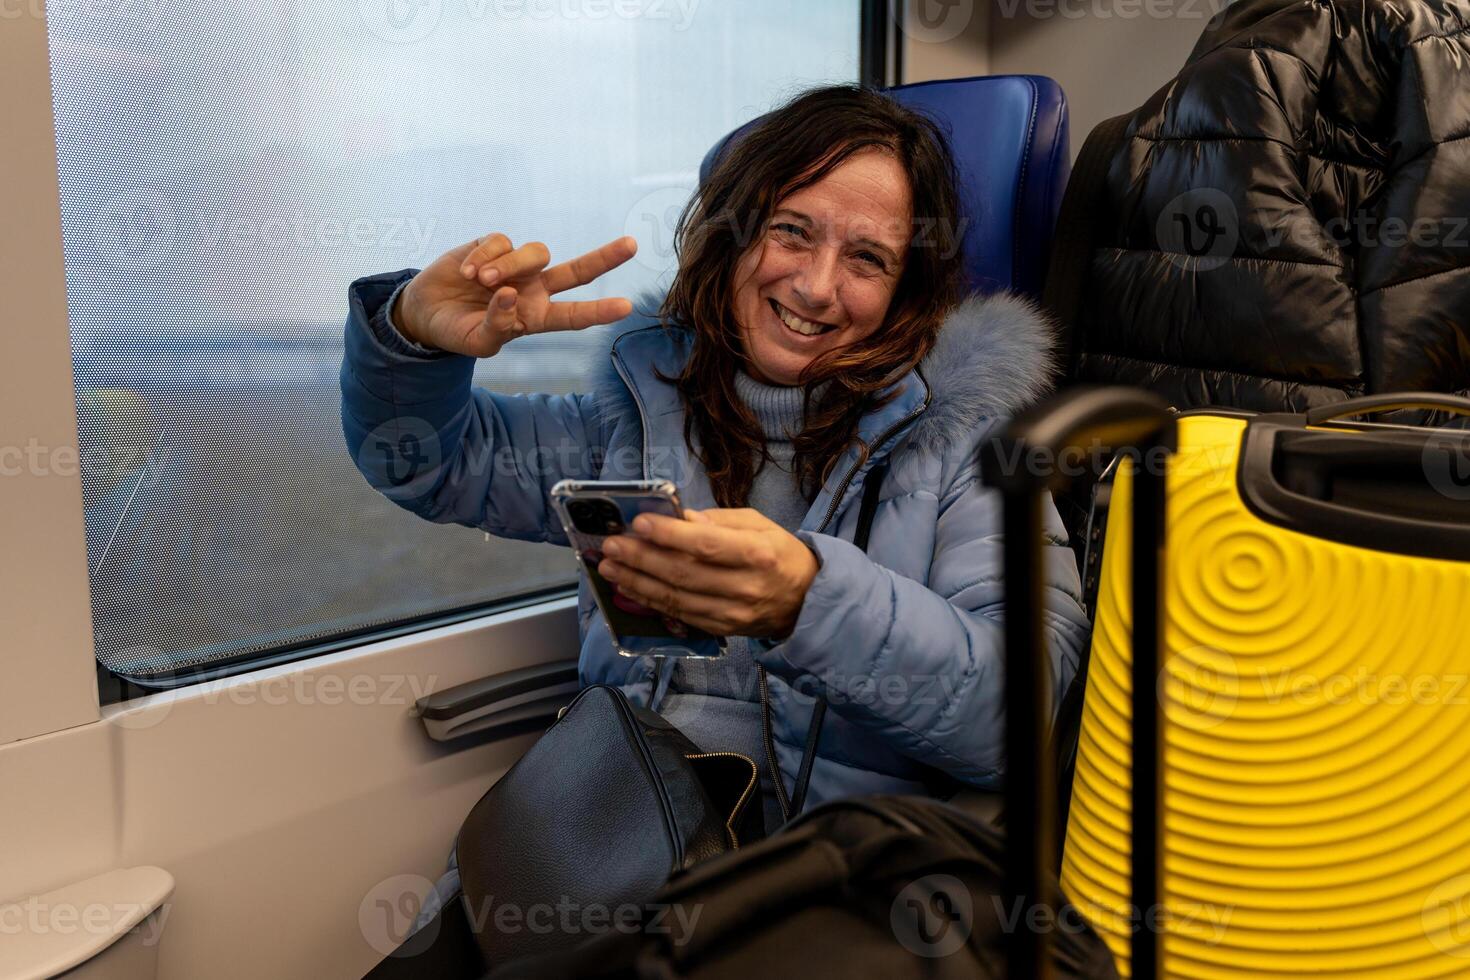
<point x="891" y="886"/>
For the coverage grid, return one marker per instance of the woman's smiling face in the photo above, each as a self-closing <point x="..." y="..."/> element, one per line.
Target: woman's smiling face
<point x="824" y="271"/>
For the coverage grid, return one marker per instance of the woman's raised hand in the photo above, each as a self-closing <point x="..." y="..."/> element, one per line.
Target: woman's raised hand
<point x="476" y="298"/>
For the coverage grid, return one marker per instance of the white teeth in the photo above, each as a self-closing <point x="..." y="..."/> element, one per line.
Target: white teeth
<point x="805" y="327"/>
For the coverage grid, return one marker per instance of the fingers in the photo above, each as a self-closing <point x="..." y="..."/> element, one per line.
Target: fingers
<point x="709" y="613"/>
<point x="484" y="249"/>
<point x="585" y="268"/>
<point x="586" y="313"/>
<point x="505" y="320"/>
<point x="501" y="322"/>
<point x="704" y="540"/>
<point x="494" y="262"/>
<point x="493" y="259"/>
<point x="733" y="517"/>
<point x="628" y="554"/>
<point x="509" y="266"/>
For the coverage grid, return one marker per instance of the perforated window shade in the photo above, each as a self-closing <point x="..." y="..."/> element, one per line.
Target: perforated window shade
<point x="227" y="169"/>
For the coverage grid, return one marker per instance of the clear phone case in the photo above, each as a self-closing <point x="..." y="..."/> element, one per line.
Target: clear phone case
<point x="594" y="510"/>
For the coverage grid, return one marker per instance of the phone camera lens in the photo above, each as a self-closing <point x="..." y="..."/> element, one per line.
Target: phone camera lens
<point x="581" y="514"/>
<point x="595" y="516"/>
<point x="610" y="516"/>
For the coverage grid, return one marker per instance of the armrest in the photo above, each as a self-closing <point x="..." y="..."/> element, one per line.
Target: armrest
<point x="515" y="697"/>
<point x="69" y="926"/>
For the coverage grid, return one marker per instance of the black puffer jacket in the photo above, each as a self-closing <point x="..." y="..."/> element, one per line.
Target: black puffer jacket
<point x="1287" y="222"/>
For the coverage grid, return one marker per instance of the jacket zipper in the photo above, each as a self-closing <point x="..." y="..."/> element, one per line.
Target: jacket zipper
<point x="877" y="444"/>
<point x="638" y="403"/>
<point x="739" y="806"/>
<point x="767" y="735"/>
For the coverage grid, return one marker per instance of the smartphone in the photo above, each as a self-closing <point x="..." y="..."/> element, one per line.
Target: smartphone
<point x="591" y="511"/>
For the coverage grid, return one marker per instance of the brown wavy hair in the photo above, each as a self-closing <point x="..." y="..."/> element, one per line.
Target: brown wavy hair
<point x="787" y="150"/>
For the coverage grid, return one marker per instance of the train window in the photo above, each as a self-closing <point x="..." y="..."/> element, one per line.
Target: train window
<point x="228" y="168"/>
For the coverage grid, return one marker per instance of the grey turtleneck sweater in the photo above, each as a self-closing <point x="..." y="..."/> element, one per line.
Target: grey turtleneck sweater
<point x="716" y="702"/>
<point x="779" y="411"/>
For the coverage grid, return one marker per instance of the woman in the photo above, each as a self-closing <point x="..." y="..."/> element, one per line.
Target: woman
<point x="811" y="338"/>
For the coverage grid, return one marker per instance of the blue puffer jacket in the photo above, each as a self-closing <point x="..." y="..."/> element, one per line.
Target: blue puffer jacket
<point x="905" y="641"/>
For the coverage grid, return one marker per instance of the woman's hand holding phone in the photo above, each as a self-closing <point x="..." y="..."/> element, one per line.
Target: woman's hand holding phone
<point x="729" y="572"/>
<point x="476" y="298"/>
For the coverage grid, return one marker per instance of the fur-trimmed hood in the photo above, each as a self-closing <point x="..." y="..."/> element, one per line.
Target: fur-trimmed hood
<point x="995" y="355"/>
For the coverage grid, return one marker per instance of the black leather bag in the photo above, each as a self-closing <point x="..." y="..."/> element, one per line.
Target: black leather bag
<point x="610" y="802"/>
<point x="586" y="827"/>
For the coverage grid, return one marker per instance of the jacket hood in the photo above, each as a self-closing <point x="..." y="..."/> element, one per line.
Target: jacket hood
<point x="995" y="355"/>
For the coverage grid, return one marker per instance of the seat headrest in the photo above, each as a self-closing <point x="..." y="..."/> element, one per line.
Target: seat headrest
<point x="1010" y="142"/>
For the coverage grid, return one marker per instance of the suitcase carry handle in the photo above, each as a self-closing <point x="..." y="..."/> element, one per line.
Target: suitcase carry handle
<point x="1397" y="489"/>
<point x="1022" y="463"/>
<point x="1388" y="403"/>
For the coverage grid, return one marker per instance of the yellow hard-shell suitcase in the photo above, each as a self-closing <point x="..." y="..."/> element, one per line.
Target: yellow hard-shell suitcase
<point x="1312" y="805"/>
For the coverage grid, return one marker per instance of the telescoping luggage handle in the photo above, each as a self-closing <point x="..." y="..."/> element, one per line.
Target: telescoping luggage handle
<point x="1392" y="402"/>
<point x="1022" y="463"/>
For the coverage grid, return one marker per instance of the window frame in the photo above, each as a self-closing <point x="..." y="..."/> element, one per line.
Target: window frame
<point x="880" y="55"/>
<point x="45" y="594"/>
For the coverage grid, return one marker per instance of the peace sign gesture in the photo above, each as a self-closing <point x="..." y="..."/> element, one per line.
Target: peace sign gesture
<point x="476" y="298"/>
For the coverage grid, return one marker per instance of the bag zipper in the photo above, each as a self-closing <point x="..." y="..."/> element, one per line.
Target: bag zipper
<point x="739" y="806"/>
<point x="631" y="721"/>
